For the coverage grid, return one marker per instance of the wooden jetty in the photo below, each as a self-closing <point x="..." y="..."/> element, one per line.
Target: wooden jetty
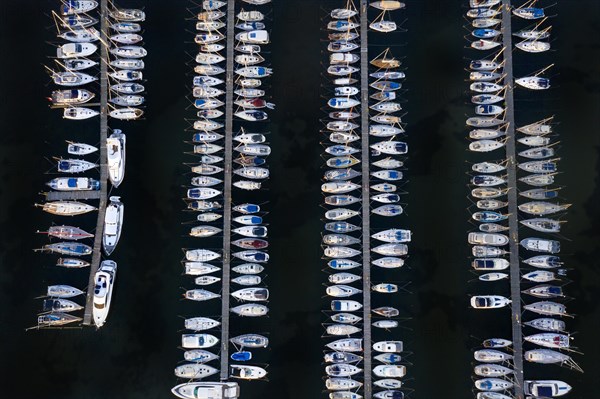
<point x="97" y="254"/>
<point x="227" y="166"/>
<point x="366" y="211"/>
<point x="513" y="222"/>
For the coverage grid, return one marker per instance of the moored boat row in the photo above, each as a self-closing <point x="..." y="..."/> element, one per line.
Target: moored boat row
<point x="513" y="189"/>
<point x="230" y="151"/>
<point x="364" y="148"/>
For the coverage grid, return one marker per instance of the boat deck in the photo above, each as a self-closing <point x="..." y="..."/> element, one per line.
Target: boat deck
<point x="227" y="187"/>
<point x="513" y="223"/>
<point x="97" y="251"/>
<point x="366" y="211"/>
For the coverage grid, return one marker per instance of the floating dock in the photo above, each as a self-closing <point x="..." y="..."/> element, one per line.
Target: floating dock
<point x="365" y="205"/>
<point x="97" y="254"/>
<point x="227" y="167"/>
<point x="513" y="210"/>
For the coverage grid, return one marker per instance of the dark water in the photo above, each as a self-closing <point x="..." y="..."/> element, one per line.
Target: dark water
<point x="133" y="356"/>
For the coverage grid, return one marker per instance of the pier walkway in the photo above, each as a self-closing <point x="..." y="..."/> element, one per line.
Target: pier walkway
<point x="97" y="253"/>
<point x="513" y="222"/>
<point x="366" y="211"/>
<point x="227" y="166"/>
<point x="73" y="195"/>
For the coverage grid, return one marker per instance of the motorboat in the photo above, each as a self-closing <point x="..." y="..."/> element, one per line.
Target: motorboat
<point x="104" y="281"/>
<point x="126" y="114"/>
<point x="253" y="37"/>
<point x="489" y="301"/>
<point x="115" y="146"/>
<point x="545" y="388"/>
<point x="128" y="88"/>
<point x="74" y="184"/>
<point x="113" y="223"/>
<point x="70" y="78"/>
<point x="198" y="341"/>
<point x="71" y="97"/>
<point x="250" y="310"/>
<point x="126" y="27"/>
<point x="199" y="390"/>
<point x="75" y="50"/>
<point x="129" y="52"/>
<point x="478" y="238"/>
<point x="251" y="294"/>
<point x="67" y="208"/>
<point x="490" y="264"/>
<point x="541" y="245"/>
<point x="388" y="346"/>
<point x="125" y="75"/>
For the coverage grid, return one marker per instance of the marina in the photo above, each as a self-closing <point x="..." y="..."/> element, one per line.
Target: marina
<point x="439" y="263"/>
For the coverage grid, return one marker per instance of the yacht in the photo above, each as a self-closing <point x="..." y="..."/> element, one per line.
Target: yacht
<point x="113" y="223"/>
<point x="80" y="148"/>
<point x="74" y="184"/>
<point x="115" y="146"/>
<point x="71" y="97"/>
<point x="103" y="288"/>
<point x="250" y="310"/>
<point x="74" y="165"/>
<point x="194" y="371"/>
<point x="203" y="390"/>
<point x="75" y="50"/>
<point x="546" y="388"/>
<point x="66" y="208"/>
<point x="489" y="301"/>
<point x="71" y="78"/>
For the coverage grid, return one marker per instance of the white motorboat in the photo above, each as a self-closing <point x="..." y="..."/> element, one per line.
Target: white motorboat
<point x="489" y="301"/>
<point x="198" y="341"/>
<point x="478" y="238"/>
<point x="129" y="52"/>
<point x="253" y="37"/>
<point x="546" y="388"/>
<point x="388" y="346"/>
<point x="250" y="16"/>
<point x="113" y="223"/>
<point x="199" y="390"/>
<point x="75" y="50"/>
<point x="115" y="146"/>
<point x="104" y="281"/>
